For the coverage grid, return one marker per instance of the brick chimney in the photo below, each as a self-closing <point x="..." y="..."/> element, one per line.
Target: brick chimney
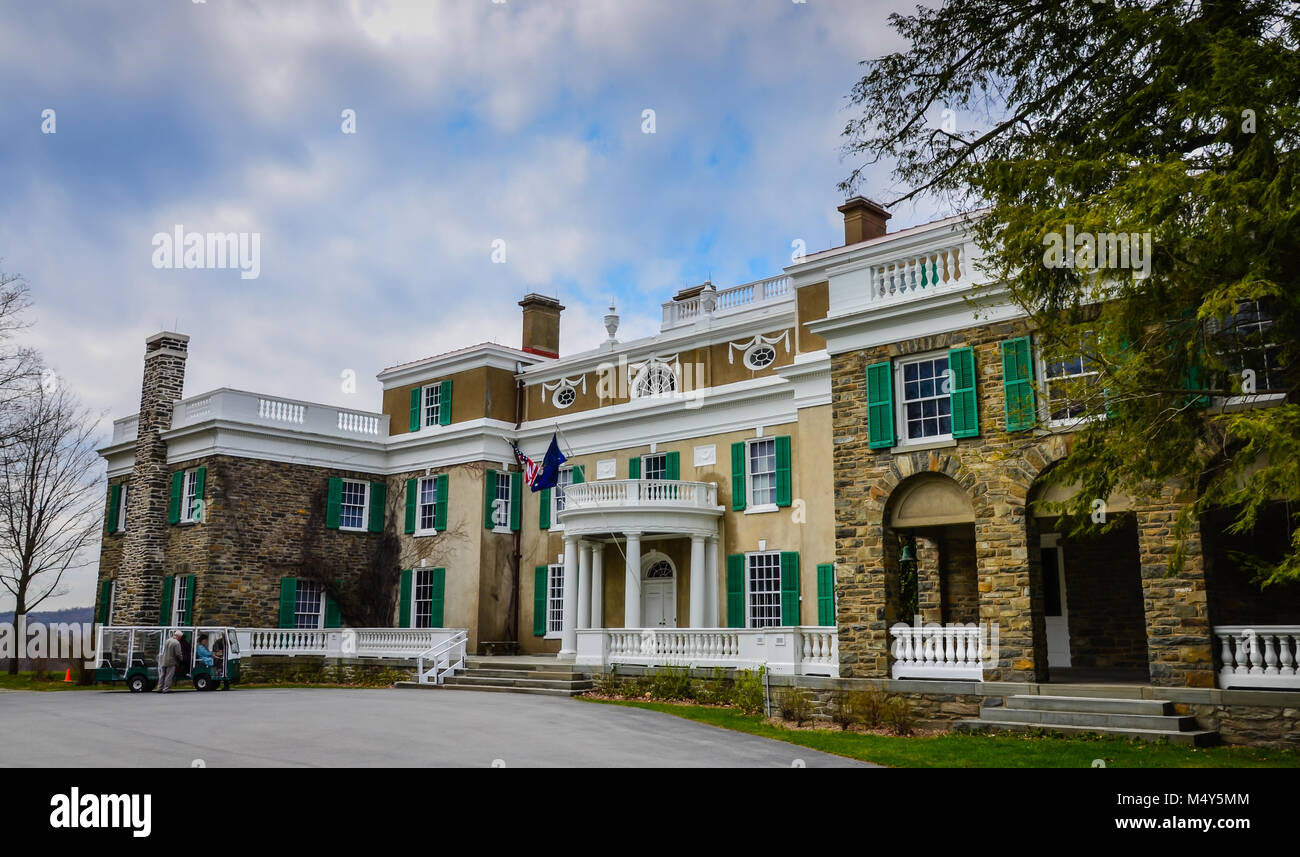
<point x="139" y="579"/>
<point x="863" y="220"/>
<point x="541" y="325"/>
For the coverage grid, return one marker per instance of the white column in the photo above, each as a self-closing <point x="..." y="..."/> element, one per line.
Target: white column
<point x="584" y="584"/>
<point x="711" y="568"/>
<point x="568" y="625"/>
<point x="632" y="588"/>
<point x="598" y="585"/>
<point x="699" y="577"/>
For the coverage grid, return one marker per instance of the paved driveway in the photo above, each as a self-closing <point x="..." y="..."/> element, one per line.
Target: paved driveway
<point x="292" y="727"/>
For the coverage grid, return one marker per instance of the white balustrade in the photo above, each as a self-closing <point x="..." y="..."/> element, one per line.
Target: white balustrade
<point x="670" y="493"/>
<point x="277" y="410"/>
<point x="783" y="650"/>
<point x="917" y="275"/>
<point x="126" y="429"/>
<point x="197" y="409"/>
<point x="238" y="407"/>
<point x="1263" y="656"/>
<point x="939" y="651"/>
<point x="358" y="423"/>
<point x="404" y="643"/>
<point x="729" y="300"/>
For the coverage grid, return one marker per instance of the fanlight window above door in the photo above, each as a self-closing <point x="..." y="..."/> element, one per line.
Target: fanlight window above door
<point x="661" y="570"/>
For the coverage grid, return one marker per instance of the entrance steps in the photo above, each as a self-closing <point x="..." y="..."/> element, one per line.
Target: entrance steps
<point x="544" y="676"/>
<point x="1149" y="719"/>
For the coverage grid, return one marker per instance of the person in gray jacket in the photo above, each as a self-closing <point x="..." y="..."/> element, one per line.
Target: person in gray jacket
<point x="168" y="661"/>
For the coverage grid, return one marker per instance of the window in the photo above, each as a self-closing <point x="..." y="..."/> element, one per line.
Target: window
<point x="563" y="479"/>
<point x="555" y="601"/>
<point x="352" y="505"/>
<point x="764" y="589"/>
<point x="1071" y="387"/>
<point x="760" y="356"/>
<point x="181" y="600"/>
<point x="501" y="508"/>
<point x="308" y="610"/>
<point x="564" y="397"/>
<point x="423" y="598"/>
<point x="762" y="472"/>
<point x="654" y="379"/>
<point x="191" y="503"/>
<point x="121" y="509"/>
<point x="1246" y="340"/>
<point x="661" y="570"/>
<point x="432" y="404"/>
<point x="654" y="466"/>
<point x="927" y="404"/>
<point x="426" y="504"/>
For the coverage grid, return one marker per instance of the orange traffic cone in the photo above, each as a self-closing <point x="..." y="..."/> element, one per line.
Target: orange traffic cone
<point x="67" y="677"/>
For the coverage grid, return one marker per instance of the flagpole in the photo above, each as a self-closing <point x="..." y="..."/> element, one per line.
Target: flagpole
<point x="565" y="442"/>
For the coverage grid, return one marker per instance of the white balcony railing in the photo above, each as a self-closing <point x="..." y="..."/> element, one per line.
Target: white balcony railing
<point x="939" y="651"/>
<point x="126" y="429"/>
<point x="787" y="650"/>
<point x="1263" y="656"/>
<point x="406" y="643"/>
<point x="657" y="493"/>
<point x="919" y="274"/>
<point x="734" y="299"/>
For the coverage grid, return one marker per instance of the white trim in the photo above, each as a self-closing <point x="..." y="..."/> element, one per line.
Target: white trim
<point x="419" y="492"/>
<point x="365" y="506"/>
<point x="749" y="474"/>
<point x="190" y="479"/>
<point x="488" y="355"/>
<point x="121" y="508"/>
<point x="762" y="510"/>
<point x="903" y="443"/>
<point x="424" y="406"/>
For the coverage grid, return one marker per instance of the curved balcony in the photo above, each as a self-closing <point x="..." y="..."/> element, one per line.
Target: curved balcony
<point x="641" y="505"/>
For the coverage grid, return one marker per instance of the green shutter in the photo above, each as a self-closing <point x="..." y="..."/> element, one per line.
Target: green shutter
<point x="880" y="406"/>
<point x="673" y="465"/>
<point x="190" y="618"/>
<point x="826" y="594"/>
<point x="539" y="601"/>
<point x="439" y="579"/>
<point x="404" y="600"/>
<point x="114" y="507"/>
<point x="516" y="499"/>
<point x="415" y="409"/>
<point x="288" y="601"/>
<point x="444" y="405"/>
<point x="332" y="617"/>
<point x="378" y="499"/>
<point x="738" y="478"/>
<point x="736" y="590"/>
<point x="544" y="510"/>
<point x="783" y="470"/>
<point x="412" y="492"/>
<point x="489" y="494"/>
<point x="105" y="599"/>
<point x="1192" y="381"/>
<point x="634" y="467"/>
<point x="789" y="588"/>
<point x="332" y="504"/>
<point x="1018" y="383"/>
<point x="440" y="503"/>
<point x="174" y="504"/>
<point x="579" y="474"/>
<point x="200" y="484"/>
<point x="165" y="609"/>
<point x="961" y="380"/>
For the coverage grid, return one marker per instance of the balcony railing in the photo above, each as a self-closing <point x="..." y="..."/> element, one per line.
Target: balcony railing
<point x="1263" y="656"/>
<point x="405" y="643"/>
<point x="658" y="493"/>
<point x="734" y="299"/>
<point x="793" y="650"/>
<point x="940" y="652"/>
<point x="919" y="274"/>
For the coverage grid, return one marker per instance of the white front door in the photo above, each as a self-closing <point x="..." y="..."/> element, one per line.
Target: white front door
<point x="658" y="604"/>
<point x="1055" y="609"/>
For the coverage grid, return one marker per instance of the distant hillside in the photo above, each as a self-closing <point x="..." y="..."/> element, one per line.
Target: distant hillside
<point x="72" y="614"/>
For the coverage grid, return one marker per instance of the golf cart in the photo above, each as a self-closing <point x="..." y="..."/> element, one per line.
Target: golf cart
<point x="130" y="653"/>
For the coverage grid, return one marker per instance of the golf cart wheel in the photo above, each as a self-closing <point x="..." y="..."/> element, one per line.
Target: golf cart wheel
<point x="203" y="682"/>
<point x="137" y="684"/>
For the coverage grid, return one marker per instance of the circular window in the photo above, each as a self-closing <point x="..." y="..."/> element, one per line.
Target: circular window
<point x="564" y="397"/>
<point x="661" y="570"/>
<point x="656" y="379"/>
<point x="760" y="356"/>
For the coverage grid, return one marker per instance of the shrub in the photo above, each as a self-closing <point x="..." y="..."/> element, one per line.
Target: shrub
<point x="671" y="683"/>
<point x="608" y="684"/>
<point x="868" y="706"/>
<point x="899" y="716"/>
<point x="748" y="691"/>
<point x="843" y="711"/>
<point x="796" y="705"/>
<point x="715" y="690"/>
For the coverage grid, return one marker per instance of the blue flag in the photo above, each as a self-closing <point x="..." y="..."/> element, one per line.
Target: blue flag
<point x="550" y="472"/>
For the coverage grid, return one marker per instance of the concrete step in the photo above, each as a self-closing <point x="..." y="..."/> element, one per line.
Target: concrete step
<point x="523" y="662"/>
<point x="472" y="678"/>
<point x="1090" y="704"/>
<point x="1168" y="723"/>
<point x="560" y="675"/>
<point x="539" y="691"/>
<point x="1198" y="738"/>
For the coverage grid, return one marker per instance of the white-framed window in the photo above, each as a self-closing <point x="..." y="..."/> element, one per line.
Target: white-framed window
<point x="1070" y="391"/>
<point x="501" y="509"/>
<point x="354" y="503"/>
<point x="760" y="458"/>
<point x="925" y="404"/>
<point x="431" y="397"/>
<point x="554" y="600"/>
<point x="309" y="605"/>
<point x="564" y="396"/>
<point x="1247" y="340"/>
<point x="191" y="505"/>
<point x="426" y="503"/>
<point x="422" y="614"/>
<point x="563" y="479"/>
<point x="654" y="466"/>
<point x="760" y="355"/>
<point x="763" y="589"/>
<point x="181" y="600"/>
<point x="121" y="509"/>
<point x="654" y="379"/>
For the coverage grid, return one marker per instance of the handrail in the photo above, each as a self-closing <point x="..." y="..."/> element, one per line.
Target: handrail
<point x="441" y="653"/>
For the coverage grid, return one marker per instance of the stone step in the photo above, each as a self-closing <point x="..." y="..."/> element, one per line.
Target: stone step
<point x="562" y="675"/>
<point x="523" y="662"/>
<point x="1198" y="738"/>
<point x="1169" y="723"/>
<point x="1090" y="704"/>
<point x="470" y="678"/>
<point x="539" y="691"/>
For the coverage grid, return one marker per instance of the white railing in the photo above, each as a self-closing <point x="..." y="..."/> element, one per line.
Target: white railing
<point x="923" y="273"/>
<point x="358" y="423"/>
<point x="613" y="493"/>
<point x="126" y="429"/>
<point x="406" y="643"/>
<point x="677" y="313"/>
<point x="443" y="659"/>
<point x="236" y="406"/>
<point x="1263" y="656"/>
<point x="786" y="650"/>
<point x="284" y="641"/>
<point x="196" y="409"/>
<point x="934" y="651"/>
<point x="280" y="411"/>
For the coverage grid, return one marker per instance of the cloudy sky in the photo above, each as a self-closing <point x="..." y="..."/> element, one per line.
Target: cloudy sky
<point x="475" y="122"/>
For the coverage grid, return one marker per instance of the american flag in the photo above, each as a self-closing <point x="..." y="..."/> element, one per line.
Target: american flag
<point x="530" y="467"/>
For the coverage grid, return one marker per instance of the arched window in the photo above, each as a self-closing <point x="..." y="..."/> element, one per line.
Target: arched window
<point x="654" y="379"/>
<point x="661" y="570"/>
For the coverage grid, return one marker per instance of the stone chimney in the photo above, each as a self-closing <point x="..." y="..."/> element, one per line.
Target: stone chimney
<point x="139" y="580"/>
<point x="541" y="325"/>
<point x="863" y="220"/>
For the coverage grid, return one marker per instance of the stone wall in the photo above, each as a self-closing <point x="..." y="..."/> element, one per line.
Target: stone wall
<point x="1103" y="595"/>
<point x="303" y="669"/>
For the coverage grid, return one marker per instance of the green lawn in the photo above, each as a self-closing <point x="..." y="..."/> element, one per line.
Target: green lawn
<point x="983" y="751"/>
<point x="50" y="681"/>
